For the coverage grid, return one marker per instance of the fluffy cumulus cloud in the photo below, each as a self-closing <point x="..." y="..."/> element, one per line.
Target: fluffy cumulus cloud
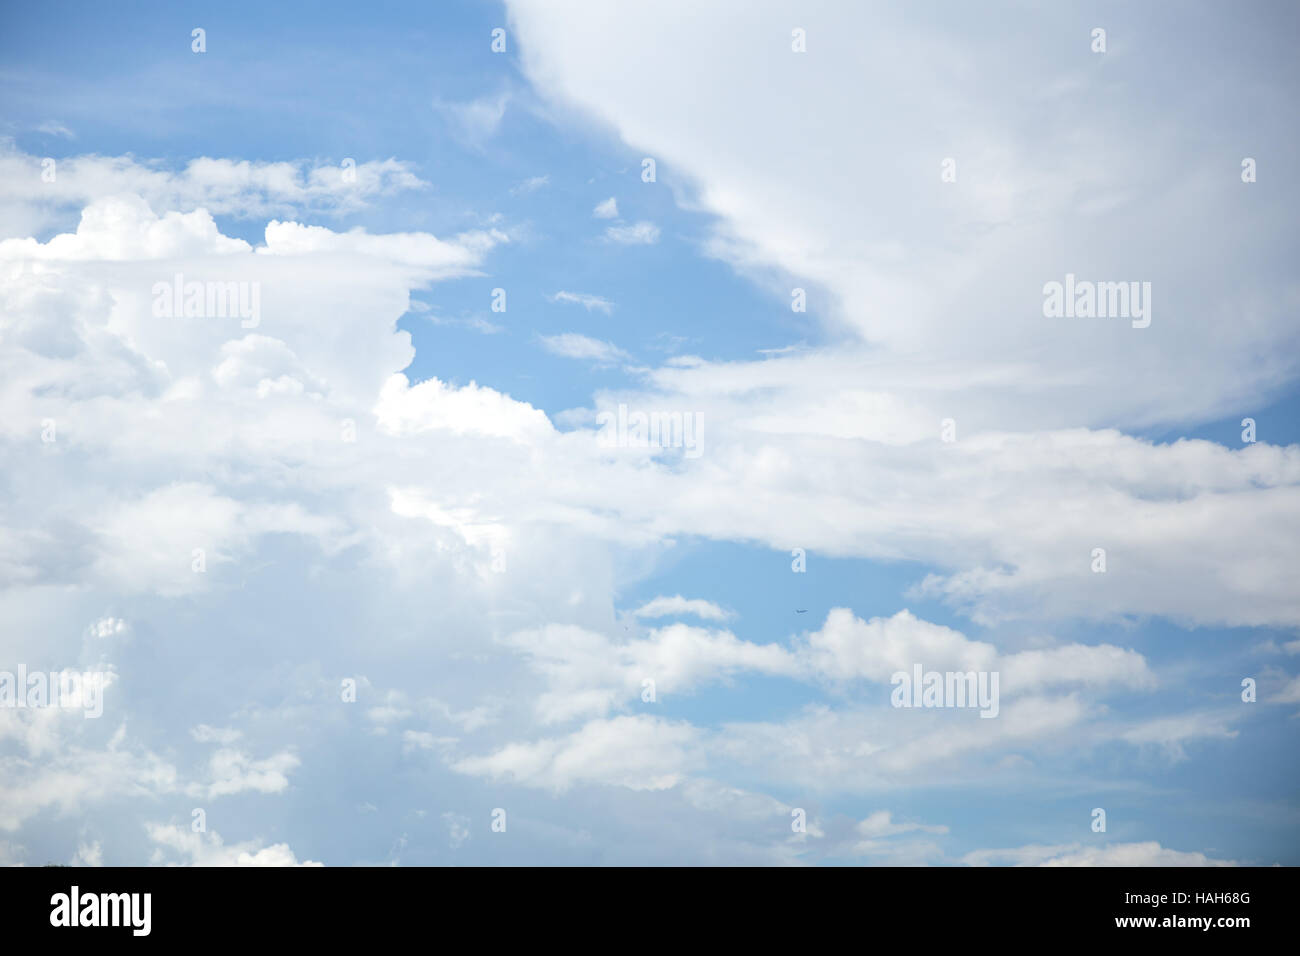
<point x="216" y="448"/>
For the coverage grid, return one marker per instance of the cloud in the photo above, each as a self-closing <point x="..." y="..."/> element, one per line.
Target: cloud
<point x="606" y="209"/>
<point x="225" y="736"/>
<point x="475" y="121"/>
<point x="74" y="777"/>
<point x="881" y="824"/>
<point x="404" y="409"/>
<point x="575" y="346"/>
<point x="124" y="227"/>
<point x="88" y="854"/>
<point x="55" y="128"/>
<point x="878" y="837"/>
<point x="677" y="605"/>
<point x="232" y="771"/>
<point x="457" y="829"/>
<point x="199" y="849"/>
<point x="108" y="627"/>
<point x="589" y="302"/>
<point x="847" y="648"/>
<point x="639" y="753"/>
<point x="395" y="528"/>
<point x="233" y="187"/>
<point x="530" y="185"/>
<point x="587" y="673"/>
<point x="1149" y="853"/>
<point x="413" y="740"/>
<point x="639" y="234"/>
<point x="787" y="211"/>
<point x="435" y="257"/>
<point x="475" y="323"/>
<point x="1172" y="734"/>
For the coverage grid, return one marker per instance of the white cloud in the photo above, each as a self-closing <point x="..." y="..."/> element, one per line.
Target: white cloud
<point x="677" y="605"/>
<point x="589" y="302"/>
<point x="262" y="479"/>
<point x="878" y="837"/>
<point x="404" y="409"/>
<point x="846" y="647"/>
<point x="575" y="346"/>
<point x="1148" y="853"/>
<point x="475" y="121"/>
<point x="606" y="209"/>
<point x="640" y="753"/>
<point x="1172" y="734"/>
<point x="638" y="234"/>
<point x="88" y="854"/>
<point x="588" y="673"/>
<point x="435" y="257"/>
<point x="124" y="227"/>
<point x="860" y="236"/>
<point x="881" y="824"/>
<point x="55" y="128"/>
<point x="71" y="778"/>
<point x="225" y="736"/>
<point x="457" y="829"/>
<point x="199" y="849"/>
<point x="530" y="185"/>
<point x="221" y="186"/>
<point x="232" y="771"/>
<point x="107" y="627"/>
<point x="414" y="740"/>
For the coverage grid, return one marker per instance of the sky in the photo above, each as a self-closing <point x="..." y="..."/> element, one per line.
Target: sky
<point x="371" y="567"/>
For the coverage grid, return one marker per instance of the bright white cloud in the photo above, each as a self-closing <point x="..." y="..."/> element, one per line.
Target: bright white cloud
<point x="677" y="605"/>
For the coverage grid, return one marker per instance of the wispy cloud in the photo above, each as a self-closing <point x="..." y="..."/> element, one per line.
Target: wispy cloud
<point x="639" y="234"/>
<point x="475" y="322"/>
<point x="475" y="121"/>
<point x="588" y="302"/>
<point x="575" y="346"/>
<point x="530" y="185"/>
<point x="55" y="128"/>
<point x="607" y="209"/>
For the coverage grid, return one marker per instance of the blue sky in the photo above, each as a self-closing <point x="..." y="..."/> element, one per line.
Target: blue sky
<point x="517" y="685"/>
